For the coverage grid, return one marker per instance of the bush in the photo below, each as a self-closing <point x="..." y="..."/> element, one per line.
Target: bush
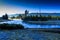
<point x="11" y="26"/>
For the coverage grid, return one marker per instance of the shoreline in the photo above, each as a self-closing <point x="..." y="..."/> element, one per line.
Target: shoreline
<point x="51" y="30"/>
<point x="44" y="22"/>
<point x="28" y="35"/>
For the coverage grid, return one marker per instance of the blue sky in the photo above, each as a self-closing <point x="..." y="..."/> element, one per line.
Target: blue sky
<point x="18" y="6"/>
<point x="50" y="6"/>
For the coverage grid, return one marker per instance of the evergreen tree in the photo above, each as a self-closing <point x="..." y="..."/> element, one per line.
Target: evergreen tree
<point x="6" y="16"/>
<point x="3" y="16"/>
<point x="49" y="17"/>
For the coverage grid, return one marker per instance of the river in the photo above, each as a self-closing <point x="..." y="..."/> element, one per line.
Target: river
<point x="28" y="34"/>
<point x="28" y="25"/>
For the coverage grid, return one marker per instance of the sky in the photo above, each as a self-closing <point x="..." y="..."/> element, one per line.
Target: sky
<point x="33" y="6"/>
<point x="50" y="6"/>
<point x="18" y="6"/>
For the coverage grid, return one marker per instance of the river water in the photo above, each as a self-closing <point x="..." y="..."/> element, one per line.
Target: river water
<point x="28" y="25"/>
<point x="28" y="34"/>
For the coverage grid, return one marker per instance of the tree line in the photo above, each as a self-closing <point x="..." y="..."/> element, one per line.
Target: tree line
<point x="41" y="18"/>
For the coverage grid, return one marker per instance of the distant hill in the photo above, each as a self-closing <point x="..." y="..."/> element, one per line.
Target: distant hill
<point x="46" y="14"/>
<point x="52" y="14"/>
<point x="13" y="15"/>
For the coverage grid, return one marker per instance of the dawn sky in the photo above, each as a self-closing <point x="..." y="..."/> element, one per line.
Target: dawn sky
<point x="18" y="6"/>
